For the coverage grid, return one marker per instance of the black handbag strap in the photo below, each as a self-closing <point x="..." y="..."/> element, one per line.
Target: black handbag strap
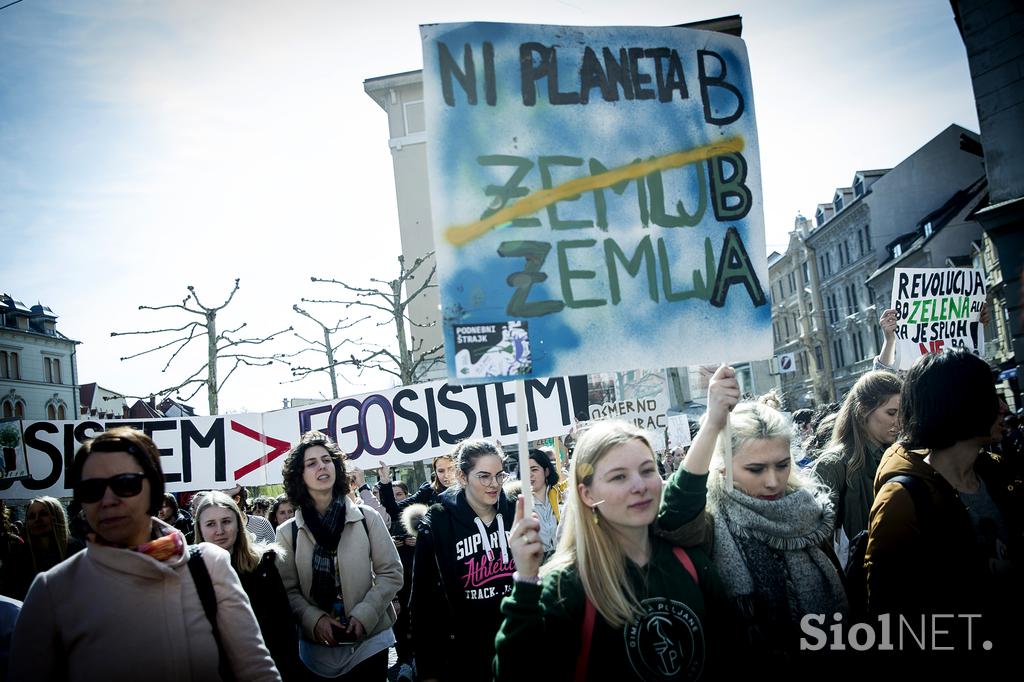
<point x="208" y="598"/>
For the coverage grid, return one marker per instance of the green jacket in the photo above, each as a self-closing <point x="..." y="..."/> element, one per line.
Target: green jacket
<point x="675" y="640"/>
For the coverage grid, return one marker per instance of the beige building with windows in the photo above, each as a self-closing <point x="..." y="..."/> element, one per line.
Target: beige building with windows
<point x="38" y="370"/>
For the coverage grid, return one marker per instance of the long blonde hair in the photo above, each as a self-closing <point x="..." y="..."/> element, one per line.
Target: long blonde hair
<point x="594" y="549"/>
<point x="59" y="532"/>
<point x="850" y="439"/>
<point x="244" y="556"/>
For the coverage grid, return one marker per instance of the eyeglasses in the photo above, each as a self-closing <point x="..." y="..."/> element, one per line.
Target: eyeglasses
<point x="123" y="485"/>
<point x="487" y="480"/>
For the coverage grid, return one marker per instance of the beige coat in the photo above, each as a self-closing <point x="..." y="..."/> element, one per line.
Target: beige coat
<point x="367" y="594"/>
<point x="115" y="614"/>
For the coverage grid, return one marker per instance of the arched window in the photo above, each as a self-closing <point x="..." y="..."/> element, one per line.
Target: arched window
<point x="51" y="412"/>
<point x="8" y="410"/>
<point x="47" y="370"/>
<point x="19" y="410"/>
<point x="61" y="414"/>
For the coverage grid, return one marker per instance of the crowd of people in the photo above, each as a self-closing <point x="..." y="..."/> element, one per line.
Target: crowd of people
<point x="769" y="535"/>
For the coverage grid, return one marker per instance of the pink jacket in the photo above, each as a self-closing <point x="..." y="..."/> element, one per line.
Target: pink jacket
<point x="108" y="613"/>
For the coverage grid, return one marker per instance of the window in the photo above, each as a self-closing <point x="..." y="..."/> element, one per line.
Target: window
<point x="867" y="235"/>
<point x="61" y="414"/>
<point x="928" y="229"/>
<point x="14" y="371"/>
<point x="828" y="263"/>
<point x="785" y="321"/>
<point x="56" y="371"/>
<point x="856" y="349"/>
<point x="19" y="409"/>
<point x="860" y="242"/>
<point x="792" y="282"/>
<point x="819" y="359"/>
<point x="838" y="202"/>
<point x="837" y="347"/>
<point x="819" y="217"/>
<point x="862" y="352"/>
<point x="415" y="122"/>
<point x="807" y="273"/>
<point x="858" y="186"/>
<point x="841" y="261"/>
<point x="878" y="338"/>
<point x="846" y="248"/>
<point x="3" y="365"/>
<point x="853" y="294"/>
<point x="8" y="410"/>
<point x="897" y="251"/>
<point x="47" y="370"/>
<point x="51" y="412"/>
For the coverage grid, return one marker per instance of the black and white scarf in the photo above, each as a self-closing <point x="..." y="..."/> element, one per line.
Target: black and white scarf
<point x="326" y="530"/>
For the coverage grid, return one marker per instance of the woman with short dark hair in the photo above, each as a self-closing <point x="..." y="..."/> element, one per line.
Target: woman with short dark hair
<point x="945" y="530"/>
<point x="171" y="513"/>
<point x="341" y="569"/>
<point x="131" y="604"/>
<point x="281" y="511"/>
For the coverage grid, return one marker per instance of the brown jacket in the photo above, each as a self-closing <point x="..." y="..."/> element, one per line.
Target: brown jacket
<point x="920" y="560"/>
<point x="368" y="589"/>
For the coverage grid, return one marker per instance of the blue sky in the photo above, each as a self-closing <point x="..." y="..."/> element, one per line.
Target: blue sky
<point x="148" y="146"/>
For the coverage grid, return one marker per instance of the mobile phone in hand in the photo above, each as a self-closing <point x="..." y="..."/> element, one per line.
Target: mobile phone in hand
<point x="342" y="635"/>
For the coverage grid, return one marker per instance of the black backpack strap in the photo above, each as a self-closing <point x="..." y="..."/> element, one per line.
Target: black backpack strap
<point x="208" y="598"/>
<point x="295" y="534"/>
<point x="366" y="529"/>
<point x="918" y="493"/>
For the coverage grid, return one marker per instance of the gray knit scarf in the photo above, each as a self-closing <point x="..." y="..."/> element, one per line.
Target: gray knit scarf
<point x="751" y="534"/>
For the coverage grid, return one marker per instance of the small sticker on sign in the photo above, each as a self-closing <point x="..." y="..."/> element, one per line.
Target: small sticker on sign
<point x="489" y="350"/>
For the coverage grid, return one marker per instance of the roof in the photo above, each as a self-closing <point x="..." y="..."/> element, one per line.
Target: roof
<point x="143" y="410"/>
<point x="86" y="393"/>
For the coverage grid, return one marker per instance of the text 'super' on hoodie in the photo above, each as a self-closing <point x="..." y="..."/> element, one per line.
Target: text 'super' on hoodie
<point x="462" y="570"/>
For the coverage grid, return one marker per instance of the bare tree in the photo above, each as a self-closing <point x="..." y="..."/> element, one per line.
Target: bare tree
<point x="327" y="347"/>
<point x="219" y="346"/>
<point x="392" y="297"/>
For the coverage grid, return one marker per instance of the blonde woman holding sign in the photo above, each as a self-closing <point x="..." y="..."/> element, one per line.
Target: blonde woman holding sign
<point x="769" y="533"/>
<point x="618" y="601"/>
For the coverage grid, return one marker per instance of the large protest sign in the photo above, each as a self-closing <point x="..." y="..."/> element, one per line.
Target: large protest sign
<point x="596" y="198"/>
<point x="400" y="425"/>
<point x="937" y="309"/>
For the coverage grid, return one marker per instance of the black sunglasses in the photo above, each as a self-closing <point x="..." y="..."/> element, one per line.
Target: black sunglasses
<point x="124" y="485"/>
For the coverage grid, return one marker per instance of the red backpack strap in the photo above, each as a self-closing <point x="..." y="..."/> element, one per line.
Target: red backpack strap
<point x="687" y="563"/>
<point x="586" y="634"/>
<point x="590" y="613"/>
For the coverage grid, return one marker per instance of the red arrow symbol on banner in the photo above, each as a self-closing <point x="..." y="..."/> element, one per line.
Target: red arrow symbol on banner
<point x="280" y="447"/>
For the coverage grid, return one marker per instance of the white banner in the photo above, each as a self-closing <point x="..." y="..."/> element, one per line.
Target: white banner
<point x="937" y="309"/>
<point x="400" y="425"/>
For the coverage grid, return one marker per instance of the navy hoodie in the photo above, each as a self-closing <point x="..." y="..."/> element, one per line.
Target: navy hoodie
<point x="461" y="571"/>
